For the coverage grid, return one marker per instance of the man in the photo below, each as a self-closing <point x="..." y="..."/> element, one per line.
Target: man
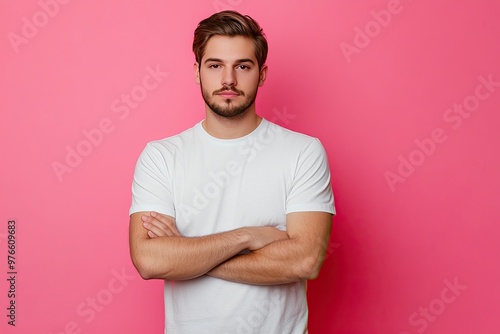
<point x="233" y="214"/>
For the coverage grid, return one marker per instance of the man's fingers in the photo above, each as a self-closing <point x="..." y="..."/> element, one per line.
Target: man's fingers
<point x="156" y="227"/>
<point x="159" y="231"/>
<point x="159" y="225"/>
<point x="264" y="235"/>
<point x="167" y="221"/>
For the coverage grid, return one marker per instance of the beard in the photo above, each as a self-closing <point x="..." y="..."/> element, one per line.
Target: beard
<point x="228" y="108"/>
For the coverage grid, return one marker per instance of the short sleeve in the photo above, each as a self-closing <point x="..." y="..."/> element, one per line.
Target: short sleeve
<point x="311" y="189"/>
<point x="151" y="186"/>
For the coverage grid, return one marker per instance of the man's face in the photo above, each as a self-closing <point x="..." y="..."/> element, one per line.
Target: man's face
<point x="229" y="75"/>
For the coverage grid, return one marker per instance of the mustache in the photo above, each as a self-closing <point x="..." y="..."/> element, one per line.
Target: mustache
<point x="225" y="89"/>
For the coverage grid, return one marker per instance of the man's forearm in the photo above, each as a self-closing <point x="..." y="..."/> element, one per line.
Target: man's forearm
<point x="278" y="263"/>
<point x="276" y="257"/>
<point x="166" y="254"/>
<point x="182" y="258"/>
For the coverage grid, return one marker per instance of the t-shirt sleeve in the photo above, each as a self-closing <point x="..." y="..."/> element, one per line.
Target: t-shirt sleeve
<point x="311" y="189"/>
<point x="151" y="186"/>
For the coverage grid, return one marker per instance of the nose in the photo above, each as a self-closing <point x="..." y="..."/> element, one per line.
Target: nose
<point x="229" y="77"/>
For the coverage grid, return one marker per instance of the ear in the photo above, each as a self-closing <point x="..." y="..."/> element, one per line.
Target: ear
<point x="196" y="69"/>
<point x="263" y="75"/>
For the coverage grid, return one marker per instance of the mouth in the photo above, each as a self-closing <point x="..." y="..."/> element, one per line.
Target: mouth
<point x="227" y="93"/>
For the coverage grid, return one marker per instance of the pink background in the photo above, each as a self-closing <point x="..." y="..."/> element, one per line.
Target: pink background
<point x="400" y="237"/>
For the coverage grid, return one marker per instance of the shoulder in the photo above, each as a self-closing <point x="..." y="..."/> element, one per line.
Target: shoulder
<point x="292" y="140"/>
<point x="172" y="144"/>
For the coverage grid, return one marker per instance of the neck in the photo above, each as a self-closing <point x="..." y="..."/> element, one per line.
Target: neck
<point x="231" y="128"/>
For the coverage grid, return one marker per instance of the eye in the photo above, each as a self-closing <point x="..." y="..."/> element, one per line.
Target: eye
<point x="244" y="67"/>
<point x="214" y="66"/>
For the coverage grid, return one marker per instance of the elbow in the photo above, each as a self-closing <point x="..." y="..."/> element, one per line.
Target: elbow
<point x="145" y="273"/>
<point x="309" y="268"/>
<point x="146" y="263"/>
<point x="313" y="274"/>
<point x="149" y="269"/>
<point x="143" y="267"/>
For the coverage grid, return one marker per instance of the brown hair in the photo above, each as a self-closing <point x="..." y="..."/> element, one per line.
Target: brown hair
<point x="229" y="23"/>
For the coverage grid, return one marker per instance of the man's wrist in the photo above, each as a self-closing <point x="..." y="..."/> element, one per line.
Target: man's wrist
<point x="244" y="237"/>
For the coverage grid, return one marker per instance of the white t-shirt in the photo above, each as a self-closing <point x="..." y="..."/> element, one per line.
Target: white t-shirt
<point x="212" y="185"/>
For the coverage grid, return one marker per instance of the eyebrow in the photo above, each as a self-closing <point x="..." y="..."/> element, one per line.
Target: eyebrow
<point x="239" y="61"/>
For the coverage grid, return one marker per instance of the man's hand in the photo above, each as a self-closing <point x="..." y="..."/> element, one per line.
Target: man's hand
<point x="296" y="258"/>
<point x="158" y="250"/>
<point x="261" y="236"/>
<point x="165" y="254"/>
<point x="159" y="225"/>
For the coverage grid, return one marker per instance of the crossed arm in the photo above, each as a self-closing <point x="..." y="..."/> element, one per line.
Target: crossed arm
<point x="158" y="250"/>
